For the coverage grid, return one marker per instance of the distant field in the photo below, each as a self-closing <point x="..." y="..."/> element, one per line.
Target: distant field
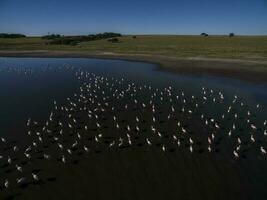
<point x="245" y="47"/>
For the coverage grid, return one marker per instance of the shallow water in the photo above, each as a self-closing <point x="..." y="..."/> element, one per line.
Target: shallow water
<point x="24" y="96"/>
<point x="29" y="86"/>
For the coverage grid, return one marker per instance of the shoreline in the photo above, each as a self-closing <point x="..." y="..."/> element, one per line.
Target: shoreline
<point x="248" y="70"/>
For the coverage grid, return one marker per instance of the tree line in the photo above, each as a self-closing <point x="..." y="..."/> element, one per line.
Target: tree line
<point x="74" y="40"/>
<point x="11" y="35"/>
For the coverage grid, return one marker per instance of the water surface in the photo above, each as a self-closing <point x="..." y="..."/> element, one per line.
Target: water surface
<point x="29" y="86"/>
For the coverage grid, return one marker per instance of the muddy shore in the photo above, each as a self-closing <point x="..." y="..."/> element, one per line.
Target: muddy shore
<point x="249" y="70"/>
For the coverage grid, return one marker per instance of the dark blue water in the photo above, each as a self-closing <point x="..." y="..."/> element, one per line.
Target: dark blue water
<point x="32" y="94"/>
<point x="29" y="86"/>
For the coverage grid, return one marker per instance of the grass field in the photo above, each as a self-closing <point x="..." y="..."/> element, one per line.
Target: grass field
<point x="239" y="47"/>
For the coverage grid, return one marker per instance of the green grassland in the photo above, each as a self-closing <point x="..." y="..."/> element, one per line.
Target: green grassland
<point x="238" y="47"/>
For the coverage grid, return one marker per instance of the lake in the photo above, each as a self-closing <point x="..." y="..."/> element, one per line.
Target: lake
<point x="182" y="150"/>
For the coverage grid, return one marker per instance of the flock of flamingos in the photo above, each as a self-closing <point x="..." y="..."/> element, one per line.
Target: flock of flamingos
<point x="113" y="114"/>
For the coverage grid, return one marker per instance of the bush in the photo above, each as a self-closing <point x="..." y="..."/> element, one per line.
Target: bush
<point x="113" y="40"/>
<point x="64" y="41"/>
<point x="52" y="36"/>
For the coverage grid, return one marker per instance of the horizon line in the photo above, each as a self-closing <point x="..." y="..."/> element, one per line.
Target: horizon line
<point x="139" y="34"/>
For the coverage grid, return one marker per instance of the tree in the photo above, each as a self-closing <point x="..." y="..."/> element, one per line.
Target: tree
<point x="204" y="34"/>
<point x="231" y="34"/>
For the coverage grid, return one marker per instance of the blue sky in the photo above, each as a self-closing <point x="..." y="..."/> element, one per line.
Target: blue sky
<point x="38" y="17"/>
